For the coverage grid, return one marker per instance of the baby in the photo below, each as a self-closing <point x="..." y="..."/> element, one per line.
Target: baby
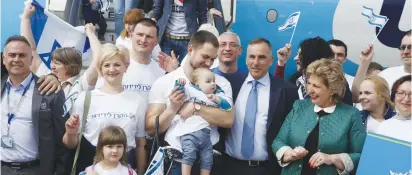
<point x="194" y="132"/>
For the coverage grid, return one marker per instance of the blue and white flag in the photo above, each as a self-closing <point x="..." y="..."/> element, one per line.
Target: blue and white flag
<point x="156" y="166"/>
<point x="377" y="20"/>
<point x="291" y="22"/>
<point x="50" y="32"/>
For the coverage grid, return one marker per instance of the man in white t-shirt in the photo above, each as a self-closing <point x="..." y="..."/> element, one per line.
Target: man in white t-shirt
<point x="340" y="50"/>
<point x="166" y="101"/>
<point x="142" y="71"/>
<point x="392" y="74"/>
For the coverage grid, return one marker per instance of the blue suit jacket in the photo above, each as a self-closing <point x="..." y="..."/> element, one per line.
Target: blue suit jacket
<point x="282" y="96"/>
<point x="195" y="12"/>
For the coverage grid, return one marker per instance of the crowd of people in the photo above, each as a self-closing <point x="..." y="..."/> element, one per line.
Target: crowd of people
<point x="158" y="79"/>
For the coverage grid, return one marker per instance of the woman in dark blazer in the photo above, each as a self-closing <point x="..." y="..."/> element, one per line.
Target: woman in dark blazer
<point x="321" y="135"/>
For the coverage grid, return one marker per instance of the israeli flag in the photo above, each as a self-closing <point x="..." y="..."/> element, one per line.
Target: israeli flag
<point x="377" y="20"/>
<point x="291" y="22"/>
<point x="50" y="32"/>
<point x="156" y="166"/>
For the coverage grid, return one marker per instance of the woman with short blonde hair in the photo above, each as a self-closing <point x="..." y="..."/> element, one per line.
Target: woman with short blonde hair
<point x="109" y="52"/>
<point x="109" y="105"/>
<point x="332" y="132"/>
<point x="332" y="73"/>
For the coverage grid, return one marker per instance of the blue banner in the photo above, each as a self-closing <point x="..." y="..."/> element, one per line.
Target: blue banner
<point x="385" y="155"/>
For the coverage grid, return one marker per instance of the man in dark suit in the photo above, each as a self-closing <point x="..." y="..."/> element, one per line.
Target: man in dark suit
<point x="261" y="106"/>
<point x="32" y="124"/>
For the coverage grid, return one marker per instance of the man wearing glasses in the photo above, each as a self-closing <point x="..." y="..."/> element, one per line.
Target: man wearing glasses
<point x="391" y="74"/>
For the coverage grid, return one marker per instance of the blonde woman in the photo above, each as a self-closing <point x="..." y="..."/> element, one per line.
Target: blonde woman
<point x="321" y="135"/>
<point x="110" y="105"/>
<point x="374" y="96"/>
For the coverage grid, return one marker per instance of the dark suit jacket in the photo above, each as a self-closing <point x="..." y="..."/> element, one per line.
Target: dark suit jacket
<point x="48" y="120"/>
<point x="282" y="96"/>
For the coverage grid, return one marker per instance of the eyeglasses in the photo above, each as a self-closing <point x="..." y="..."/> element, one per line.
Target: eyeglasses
<point x="403" y="47"/>
<point x="403" y="94"/>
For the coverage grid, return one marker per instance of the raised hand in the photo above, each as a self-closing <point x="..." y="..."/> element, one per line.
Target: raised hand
<point x="284" y="54"/>
<point x="367" y="54"/>
<point x="90" y="29"/>
<point x="168" y="63"/>
<point x="216" y="12"/>
<point x="28" y="11"/>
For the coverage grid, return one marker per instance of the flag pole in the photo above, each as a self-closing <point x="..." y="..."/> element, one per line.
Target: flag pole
<point x="293" y="33"/>
<point x="291" y="38"/>
<point x="380" y="30"/>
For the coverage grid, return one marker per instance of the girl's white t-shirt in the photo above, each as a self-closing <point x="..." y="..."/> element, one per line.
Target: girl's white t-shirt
<point x="126" y="110"/>
<point x="119" y="170"/>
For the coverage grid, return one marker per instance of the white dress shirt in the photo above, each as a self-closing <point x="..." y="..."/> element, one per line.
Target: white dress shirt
<point x="234" y="140"/>
<point x="25" y="146"/>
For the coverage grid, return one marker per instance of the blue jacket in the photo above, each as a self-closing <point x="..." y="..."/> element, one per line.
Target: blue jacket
<point x="389" y="113"/>
<point x="195" y="12"/>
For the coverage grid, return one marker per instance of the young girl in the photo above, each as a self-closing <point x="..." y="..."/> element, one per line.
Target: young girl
<point x="110" y="154"/>
<point x="194" y="132"/>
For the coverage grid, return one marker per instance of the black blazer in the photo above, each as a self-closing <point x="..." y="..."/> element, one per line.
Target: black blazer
<point x="48" y="120"/>
<point x="282" y="96"/>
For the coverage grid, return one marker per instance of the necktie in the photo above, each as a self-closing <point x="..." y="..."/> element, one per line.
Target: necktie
<point x="302" y="89"/>
<point x="248" y="135"/>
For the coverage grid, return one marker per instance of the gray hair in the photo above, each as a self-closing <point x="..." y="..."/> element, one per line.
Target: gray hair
<point x="233" y="34"/>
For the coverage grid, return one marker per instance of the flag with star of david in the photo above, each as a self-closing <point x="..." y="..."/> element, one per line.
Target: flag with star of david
<point x="50" y="32"/>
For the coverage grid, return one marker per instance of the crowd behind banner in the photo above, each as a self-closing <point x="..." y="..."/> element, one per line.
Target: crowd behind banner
<point x="171" y="86"/>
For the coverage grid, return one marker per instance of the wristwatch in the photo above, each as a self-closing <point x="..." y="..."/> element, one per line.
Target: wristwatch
<point x="197" y="108"/>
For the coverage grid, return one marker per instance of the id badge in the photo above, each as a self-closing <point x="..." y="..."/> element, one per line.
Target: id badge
<point x="6" y="141"/>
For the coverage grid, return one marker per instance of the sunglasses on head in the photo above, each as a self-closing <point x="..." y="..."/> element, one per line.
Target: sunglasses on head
<point x="403" y="47"/>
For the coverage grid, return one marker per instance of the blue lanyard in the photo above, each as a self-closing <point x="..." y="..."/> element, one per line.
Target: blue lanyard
<point x="11" y="115"/>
